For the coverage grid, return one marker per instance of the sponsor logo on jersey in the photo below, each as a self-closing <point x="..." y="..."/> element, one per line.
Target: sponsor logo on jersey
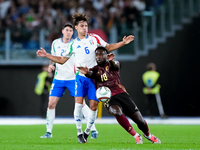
<point x="58" y="46"/>
<point x="78" y="46"/>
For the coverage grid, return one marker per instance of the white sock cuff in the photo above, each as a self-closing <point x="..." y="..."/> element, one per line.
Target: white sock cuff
<point x="135" y="135"/>
<point x="77" y="105"/>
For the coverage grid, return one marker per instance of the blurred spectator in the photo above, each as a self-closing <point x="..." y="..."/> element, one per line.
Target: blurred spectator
<point x="2" y="35"/>
<point x="98" y="5"/>
<point x="20" y="34"/>
<point x="4" y="5"/>
<point x="24" y="7"/>
<point x="131" y="14"/>
<point x="51" y="14"/>
<point x="139" y="4"/>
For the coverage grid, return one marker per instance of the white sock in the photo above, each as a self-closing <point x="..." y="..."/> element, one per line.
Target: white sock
<point x="135" y="135"/>
<point x="149" y="136"/>
<point x="86" y="111"/>
<point x="78" y="117"/>
<point x="50" y="118"/>
<point x="91" y="120"/>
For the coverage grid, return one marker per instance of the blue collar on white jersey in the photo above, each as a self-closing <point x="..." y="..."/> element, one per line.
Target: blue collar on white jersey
<point x="63" y="42"/>
<point x="80" y="40"/>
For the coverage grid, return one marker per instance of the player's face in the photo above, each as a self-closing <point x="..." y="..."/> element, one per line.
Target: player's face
<point x="67" y="33"/>
<point x="100" y="57"/>
<point x="82" y="28"/>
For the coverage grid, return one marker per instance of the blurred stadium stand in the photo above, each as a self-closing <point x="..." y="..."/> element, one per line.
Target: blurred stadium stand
<point x="25" y="26"/>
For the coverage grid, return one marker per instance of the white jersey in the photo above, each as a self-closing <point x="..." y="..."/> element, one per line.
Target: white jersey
<point x="84" y="50"/>
<point x="67" y="70"/>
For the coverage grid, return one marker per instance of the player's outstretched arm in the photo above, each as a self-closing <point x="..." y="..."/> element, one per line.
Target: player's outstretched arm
<point x="57" y="59"/>
<point x="126" y="40"/>
<point x="85" y="71"/>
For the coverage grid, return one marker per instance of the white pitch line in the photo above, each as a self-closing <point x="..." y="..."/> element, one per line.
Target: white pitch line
<point x="104" y="120"/>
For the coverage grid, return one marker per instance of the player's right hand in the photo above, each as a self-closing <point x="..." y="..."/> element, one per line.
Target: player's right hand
<point x="51" y="68"/>
<point x="41" y="52"/>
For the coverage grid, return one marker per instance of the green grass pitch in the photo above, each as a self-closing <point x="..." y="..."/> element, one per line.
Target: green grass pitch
<point x="111" y="137"/>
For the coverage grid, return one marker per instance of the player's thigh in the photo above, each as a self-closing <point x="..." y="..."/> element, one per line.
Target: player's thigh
<point x="80" y="90"/>
<point x="70" y="85"/>
<point x="128" y="105"/>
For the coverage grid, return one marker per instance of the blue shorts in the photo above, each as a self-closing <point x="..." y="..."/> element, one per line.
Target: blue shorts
<point x="58" y="87"/>
<point x="85" y="87"/>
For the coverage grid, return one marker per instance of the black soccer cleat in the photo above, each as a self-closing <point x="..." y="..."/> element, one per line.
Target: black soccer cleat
<point x="85" y="136"/>
<point x="81" y="138"/>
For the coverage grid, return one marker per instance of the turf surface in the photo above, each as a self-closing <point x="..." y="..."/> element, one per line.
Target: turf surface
<point x="111" y="137"/>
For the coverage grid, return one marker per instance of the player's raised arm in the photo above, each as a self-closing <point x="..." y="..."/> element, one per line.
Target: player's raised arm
<point x="57" y="59"/>
<point x="126" y="40"/>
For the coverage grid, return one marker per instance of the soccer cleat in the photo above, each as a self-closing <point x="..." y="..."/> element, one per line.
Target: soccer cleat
<point x="85" y="136"/>
<point x="81" y="138"/>
<point x="47" y="135"/>
<point x="139" y="139"/>
<point x="94" y="134"/>
<point x="153" y="139"/>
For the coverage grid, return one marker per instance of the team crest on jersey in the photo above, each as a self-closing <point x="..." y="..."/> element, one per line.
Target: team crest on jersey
<point x="91" y="42"/>
<point x="106" y="68"/>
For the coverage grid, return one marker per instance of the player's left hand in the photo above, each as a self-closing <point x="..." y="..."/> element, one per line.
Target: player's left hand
<point x="110" y="56"/>
<point x="128" y="39"/>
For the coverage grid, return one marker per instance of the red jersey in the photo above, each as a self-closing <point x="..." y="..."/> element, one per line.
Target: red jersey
<point x="107" y="76"/>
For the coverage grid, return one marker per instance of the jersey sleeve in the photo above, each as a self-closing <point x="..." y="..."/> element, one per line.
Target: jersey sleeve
<point x="53" y="49"/>
<point x="100" y="41"/>
<point x="93" y="69"/>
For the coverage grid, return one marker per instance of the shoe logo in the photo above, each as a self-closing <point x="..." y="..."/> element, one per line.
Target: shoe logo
<point x="91" y="122"/>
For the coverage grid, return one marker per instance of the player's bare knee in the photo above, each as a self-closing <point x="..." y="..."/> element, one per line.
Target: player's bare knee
<point x="93" y="105"/>
<point x="51" y="105"/>
<point x="115" y="111"/>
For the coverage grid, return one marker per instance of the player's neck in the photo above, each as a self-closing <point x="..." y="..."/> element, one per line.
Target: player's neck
<point x="80" y="36"/>
<point x="65" y="40"/>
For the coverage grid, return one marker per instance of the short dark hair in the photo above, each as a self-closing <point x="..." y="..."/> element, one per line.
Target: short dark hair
<point x="101" y="48"/>
<point x="68" y="25"/>
<point x="80" y="17"/>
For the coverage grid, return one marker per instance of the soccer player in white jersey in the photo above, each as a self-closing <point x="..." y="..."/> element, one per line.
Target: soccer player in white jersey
<point x="64" y="78"/>
<point x="83" y="49"/>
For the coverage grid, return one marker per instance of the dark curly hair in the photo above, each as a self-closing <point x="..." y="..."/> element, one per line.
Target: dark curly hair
<point x="101" y="48"/>
<point x="80" y="17"/>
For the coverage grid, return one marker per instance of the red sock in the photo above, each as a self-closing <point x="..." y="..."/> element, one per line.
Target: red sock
<point x="123" y="121"/>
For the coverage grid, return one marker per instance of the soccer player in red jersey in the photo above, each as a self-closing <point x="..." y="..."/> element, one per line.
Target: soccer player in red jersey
<point x="106" y="73"/>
